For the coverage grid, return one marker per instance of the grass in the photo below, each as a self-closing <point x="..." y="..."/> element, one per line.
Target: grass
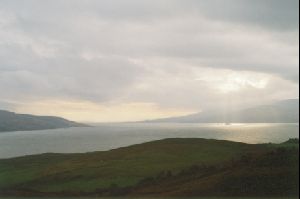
<point x="123" y="167"/>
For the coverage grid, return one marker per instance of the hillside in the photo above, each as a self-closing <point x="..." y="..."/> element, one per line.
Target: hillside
<point x="265" y="175"/>
<point x="10" y="121"/>
<point x="154" y="168"/>
<point x="286" y="111"/>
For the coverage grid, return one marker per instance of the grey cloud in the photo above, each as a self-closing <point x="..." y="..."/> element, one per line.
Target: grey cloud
<point x="96" y="81"/>
<point x="274" y="14"/>
<point x="268" y="13"/>
<point x="199" y="95"/>
<point x="101" y="50"/>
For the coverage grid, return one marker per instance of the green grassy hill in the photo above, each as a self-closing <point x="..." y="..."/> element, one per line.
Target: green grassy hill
<point x="275" y="173"/>
<point x="122" y="171"/>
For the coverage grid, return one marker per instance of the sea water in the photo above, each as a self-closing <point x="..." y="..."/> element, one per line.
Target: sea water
<point x="102" y="137"/>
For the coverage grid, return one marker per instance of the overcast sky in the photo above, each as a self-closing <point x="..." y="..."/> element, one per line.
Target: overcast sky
<point x="126" y="60"/>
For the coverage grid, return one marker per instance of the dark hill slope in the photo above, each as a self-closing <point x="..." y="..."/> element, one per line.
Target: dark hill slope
<point x="123" y="171"/>
<point x="10" y="121"/>
<point x="275" y="173"/>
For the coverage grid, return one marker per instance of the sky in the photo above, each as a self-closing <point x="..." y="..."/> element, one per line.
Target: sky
<point x="130" y="60"/>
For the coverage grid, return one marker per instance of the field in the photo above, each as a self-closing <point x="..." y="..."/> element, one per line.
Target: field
<point x="169" y="162"/>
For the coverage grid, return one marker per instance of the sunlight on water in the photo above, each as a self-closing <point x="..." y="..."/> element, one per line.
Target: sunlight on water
<point x="109" y="136"/>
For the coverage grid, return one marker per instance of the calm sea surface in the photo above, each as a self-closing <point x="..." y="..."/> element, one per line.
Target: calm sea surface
<point x="110" y="136"/>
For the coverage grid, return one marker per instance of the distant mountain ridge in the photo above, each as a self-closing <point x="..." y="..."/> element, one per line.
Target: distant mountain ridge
<point x="10" y="121"/>
<point x="286" y="111"/>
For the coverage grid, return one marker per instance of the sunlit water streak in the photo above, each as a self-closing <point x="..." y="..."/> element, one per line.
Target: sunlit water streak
<point x="110" y="136"/>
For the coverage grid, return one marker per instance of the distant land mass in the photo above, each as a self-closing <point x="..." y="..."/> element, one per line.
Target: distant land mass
<point x="286" y="111"/>
<point x="10" y="121"/>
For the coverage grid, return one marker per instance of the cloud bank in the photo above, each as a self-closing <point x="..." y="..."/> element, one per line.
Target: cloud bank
<point x="159" y="58"/>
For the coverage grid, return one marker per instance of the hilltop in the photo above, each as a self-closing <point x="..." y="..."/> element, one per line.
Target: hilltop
<point x="171" y="167"/>
<point x="10" y="121"/>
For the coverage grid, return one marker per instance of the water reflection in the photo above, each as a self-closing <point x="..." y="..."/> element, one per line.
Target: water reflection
<point x="109" y="136"/>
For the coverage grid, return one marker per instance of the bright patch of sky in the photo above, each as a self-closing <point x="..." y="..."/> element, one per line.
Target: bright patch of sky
<point x="127" y="60"/>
